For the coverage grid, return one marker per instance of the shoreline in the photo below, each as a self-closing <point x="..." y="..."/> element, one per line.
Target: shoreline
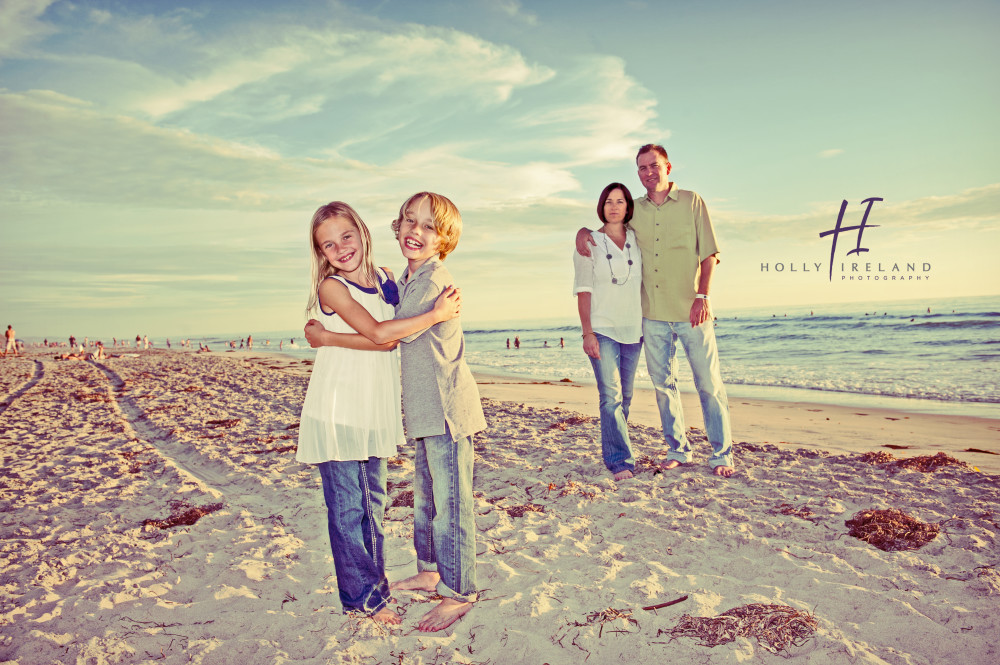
<point x="810" y="425"/>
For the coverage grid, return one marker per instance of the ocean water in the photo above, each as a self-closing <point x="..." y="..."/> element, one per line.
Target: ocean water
<point x="943" y="360"/>
<point x="949" y="355"/>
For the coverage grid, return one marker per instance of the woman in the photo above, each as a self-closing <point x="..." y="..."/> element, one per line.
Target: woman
<point x="607" y="292"/>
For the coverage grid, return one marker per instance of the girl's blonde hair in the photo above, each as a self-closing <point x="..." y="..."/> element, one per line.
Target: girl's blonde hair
<point x="321" y="268"/>
<point x="447" y="220"/>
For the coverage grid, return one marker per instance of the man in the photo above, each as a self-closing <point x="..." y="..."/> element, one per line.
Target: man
<point x="679" y="253"/>
<point x="11" y="342"/>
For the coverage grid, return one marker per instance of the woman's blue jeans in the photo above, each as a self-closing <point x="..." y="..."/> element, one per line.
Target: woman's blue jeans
<point x="615" y="372"/>
<point x="355" y="497"/>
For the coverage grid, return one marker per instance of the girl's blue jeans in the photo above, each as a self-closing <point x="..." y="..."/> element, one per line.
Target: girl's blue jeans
<point x="615" y="372"/>
<point x="355" y="497"/>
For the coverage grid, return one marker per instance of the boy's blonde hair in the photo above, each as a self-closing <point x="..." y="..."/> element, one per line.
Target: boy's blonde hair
<point x="447" y="220"/>
<point x="321" y="268"/>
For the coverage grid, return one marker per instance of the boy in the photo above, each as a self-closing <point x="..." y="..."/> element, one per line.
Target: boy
<point x="443" y="411"/>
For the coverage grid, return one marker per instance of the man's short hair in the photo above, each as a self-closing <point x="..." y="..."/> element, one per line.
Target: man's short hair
<point x="652" y="147"/>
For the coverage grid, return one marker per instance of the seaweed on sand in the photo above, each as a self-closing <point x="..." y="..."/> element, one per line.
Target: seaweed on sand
<point x="775" y="627"/>
<point x="891" y="530"/>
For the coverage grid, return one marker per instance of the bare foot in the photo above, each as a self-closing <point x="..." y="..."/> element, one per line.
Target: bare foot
<point x="446" y="613"/>
<point x="425" y="581"/>
<point x="624" y="475"/>
<point x="670" y="464"/>
<point x="724" y="471"/>
<point x="385" y="615"/>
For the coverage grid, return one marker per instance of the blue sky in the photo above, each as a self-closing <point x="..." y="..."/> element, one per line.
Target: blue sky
<point x="161" y="161"/>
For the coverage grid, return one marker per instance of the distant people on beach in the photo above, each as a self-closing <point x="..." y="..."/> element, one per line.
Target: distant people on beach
<point x="11" y="338"/>
<point x="138" y="342"/>
<point x="351" y="420"/>
<point x="608" y="294"/>
<point x="562" y="343"/>
<point x="508" y="342"/>
<point x="517" y="342"/>
<point x="250" y="342"/>
<point x="679" y="251"/>
<point x="443" y="412"/>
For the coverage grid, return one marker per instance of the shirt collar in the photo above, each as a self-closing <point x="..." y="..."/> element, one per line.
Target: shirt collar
<point x="428" y="264"/>
<point x="673" y="194"/>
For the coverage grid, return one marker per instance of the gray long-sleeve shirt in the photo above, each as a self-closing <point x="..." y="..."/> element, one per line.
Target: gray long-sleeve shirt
<point x="438" y="386"/>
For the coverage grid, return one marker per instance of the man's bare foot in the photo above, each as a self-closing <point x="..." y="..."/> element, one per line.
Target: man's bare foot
<point x="385" y="615"/>
<point x="724" y="471"/>
<point x="670" y="464"/>
<point x="424" y="581"/>
<point x="447" y="612"/>
<point x="624" y="475"/>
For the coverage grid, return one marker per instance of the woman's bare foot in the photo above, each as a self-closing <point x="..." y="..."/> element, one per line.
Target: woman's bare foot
<point x="447" y="612"/>
<point x="424" y="581"/>
<point x="385" y="615"/>
<point x="624" y="475"/>
<point x="670" y="464"/>
<point x="724" y="471"/>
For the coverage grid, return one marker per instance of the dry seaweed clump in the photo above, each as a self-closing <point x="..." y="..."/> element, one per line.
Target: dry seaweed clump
<point x="572" y="420"/>
<point x="183" y="514"/>
<point x="927" y="463"/>
<point x="775" y="627"/>
<point x="877" y="457"/>
<point x="891" y="530"/>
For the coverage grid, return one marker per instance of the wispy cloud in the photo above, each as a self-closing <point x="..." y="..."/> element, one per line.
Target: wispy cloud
<point x="21" y="25"/>
<point x="832" y="152"/>
<point x="973" y="209"/>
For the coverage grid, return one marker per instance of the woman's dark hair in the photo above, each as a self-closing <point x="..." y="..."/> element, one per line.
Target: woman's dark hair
<point x="604" y="199"/>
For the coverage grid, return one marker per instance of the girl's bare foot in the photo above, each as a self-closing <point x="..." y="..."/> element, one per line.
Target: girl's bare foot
<point x="425" y="581"/>
<point x="670" y="464"/>
<point x="624" y="475"/>
<point x="447" y="612"/>
<point x="724" y="471"/>
<point x="385" y="615"/>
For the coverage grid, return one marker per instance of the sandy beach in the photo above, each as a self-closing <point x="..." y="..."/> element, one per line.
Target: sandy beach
<point x="153" y="511"/>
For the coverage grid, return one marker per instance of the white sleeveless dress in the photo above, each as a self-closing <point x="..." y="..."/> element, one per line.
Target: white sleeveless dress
<point x="352" y="408"/>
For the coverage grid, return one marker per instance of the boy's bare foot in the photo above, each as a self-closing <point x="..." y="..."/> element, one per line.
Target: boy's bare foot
<point x="385" y="615"/>
<point x="670" y="464"/>
<point x="447" y="612"/>
<point x="624" y="475"/>
<point x="424" y="581"/>
<point x="724" y="471"/>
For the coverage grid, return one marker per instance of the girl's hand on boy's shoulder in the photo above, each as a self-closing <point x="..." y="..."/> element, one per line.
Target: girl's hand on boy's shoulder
<point x="448" y="305"/>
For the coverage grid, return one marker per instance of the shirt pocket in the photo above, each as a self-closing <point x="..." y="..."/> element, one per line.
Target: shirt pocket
<point x="681" y="236"/>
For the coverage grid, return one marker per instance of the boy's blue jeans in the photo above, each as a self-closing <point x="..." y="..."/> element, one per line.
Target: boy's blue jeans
<point x="355" y="497"/>
<point x="444" y="526"/>
<point x="615" y="373"/>
<point x="660" y="338"/>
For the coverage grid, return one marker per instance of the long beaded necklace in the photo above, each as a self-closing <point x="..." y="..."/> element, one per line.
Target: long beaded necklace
<point x="607" y="254"/>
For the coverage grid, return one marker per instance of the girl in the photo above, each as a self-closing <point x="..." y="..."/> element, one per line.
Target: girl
<point x="351" y="417"/>
<point x="607" y="287"/>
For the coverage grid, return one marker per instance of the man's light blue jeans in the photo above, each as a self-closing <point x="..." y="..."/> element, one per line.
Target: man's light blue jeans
<point x="660" y="338"/>
<point x="444" y="526"/>
<point x="355" y="497"/>
<point x="615" y="372"/>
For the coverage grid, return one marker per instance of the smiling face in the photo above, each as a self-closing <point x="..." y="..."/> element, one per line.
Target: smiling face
<point x="615" y="207"/>
<point x="418" y="236"/>
<point x="338" y="240"/>
<point x="654" y="170"/>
